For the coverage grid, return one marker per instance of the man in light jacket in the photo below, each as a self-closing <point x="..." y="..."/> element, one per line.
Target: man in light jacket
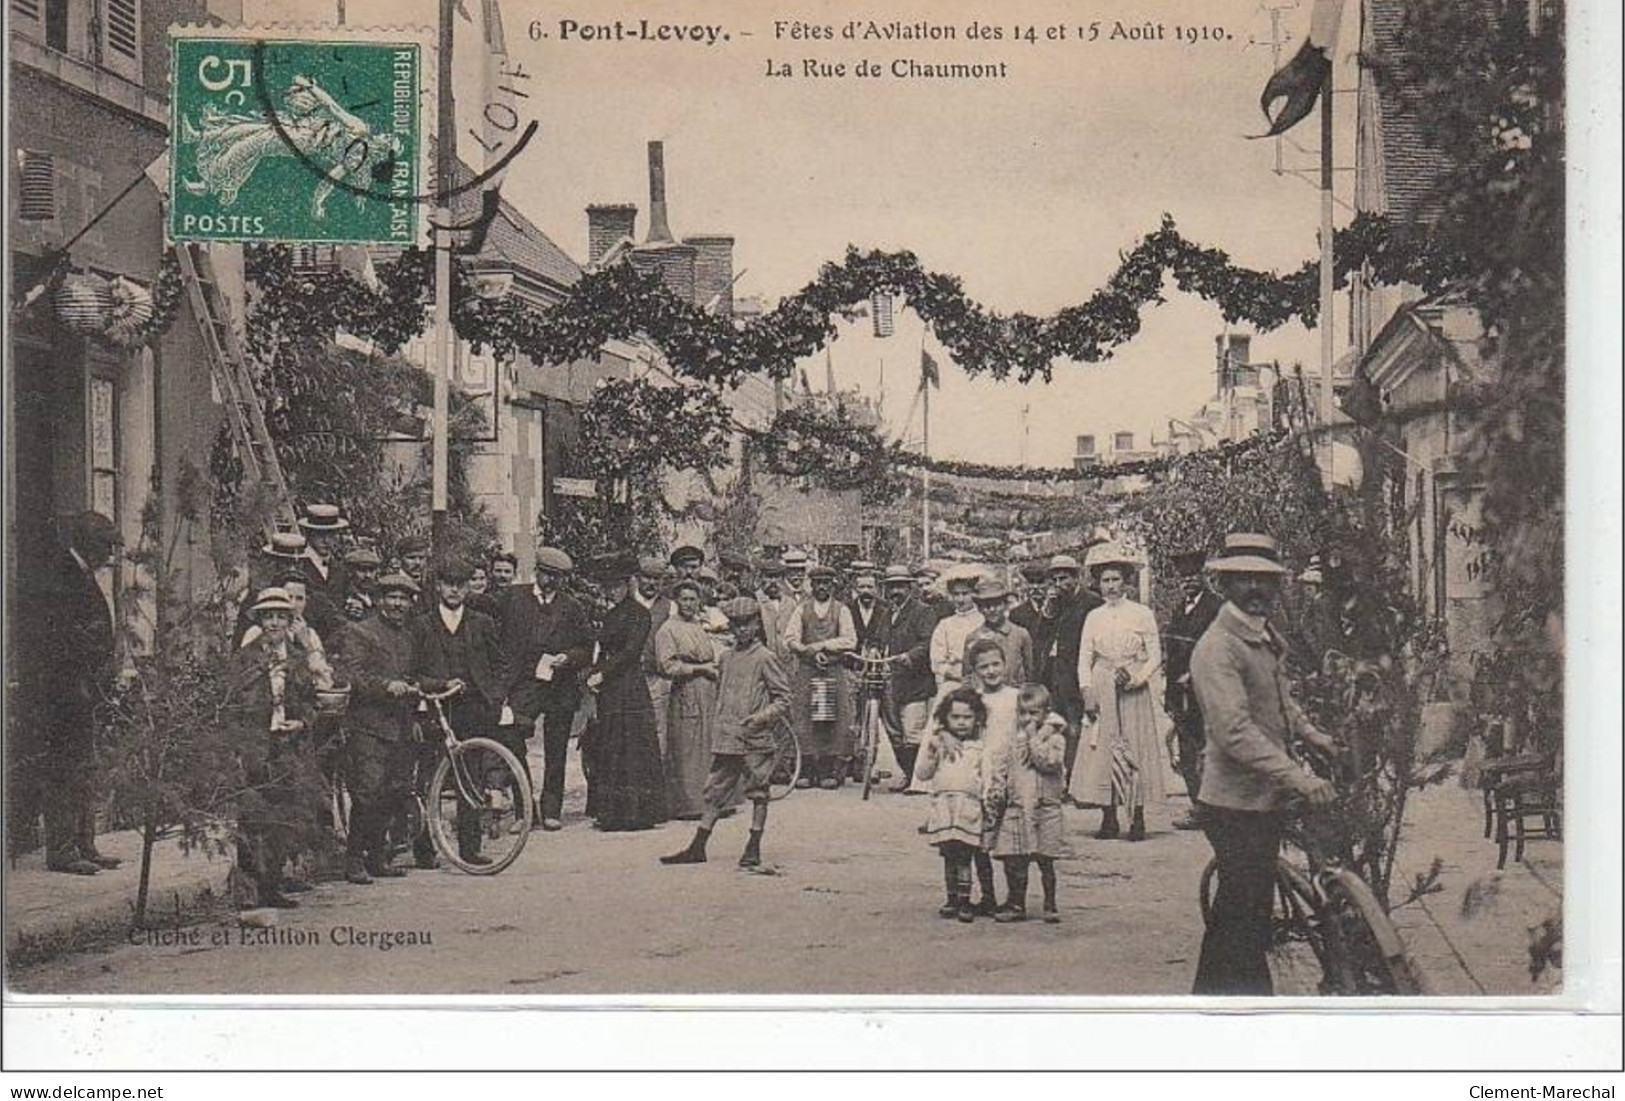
<point x="1249" y="774"/>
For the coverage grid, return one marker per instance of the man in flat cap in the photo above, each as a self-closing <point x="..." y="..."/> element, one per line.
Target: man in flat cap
<point x="817" y="635"/>
<point x="547" y="637"/>
<point x="361" y="566"/>
<point x="993" y="602"/>
<point x="753" y="694"/>
<point x="378" y="659"/>
<point x="459" y="644"/>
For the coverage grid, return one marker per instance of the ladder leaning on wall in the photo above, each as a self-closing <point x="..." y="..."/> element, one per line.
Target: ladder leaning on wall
<point x="229" y="369"/>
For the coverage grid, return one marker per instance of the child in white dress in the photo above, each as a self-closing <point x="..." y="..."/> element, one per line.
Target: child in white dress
<point x="952" y="757"/>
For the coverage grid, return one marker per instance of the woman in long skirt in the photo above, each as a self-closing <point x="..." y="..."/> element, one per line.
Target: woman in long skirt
<point x="686" y="655"/>
<point x="1119" y="760"/>
<point x="626" y="788"/>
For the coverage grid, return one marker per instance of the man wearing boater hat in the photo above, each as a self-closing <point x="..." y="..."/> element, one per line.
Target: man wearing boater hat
<point x="323" y="526"/>
<point x="1197" y="608"/>
<point x="1249" y="774"/>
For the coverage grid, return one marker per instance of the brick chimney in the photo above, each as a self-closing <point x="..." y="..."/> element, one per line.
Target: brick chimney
<point x="606" y="224"/>
<point x="673" y="263"/>
<point x="713" y="272"/>
<point x="659" y="231"/>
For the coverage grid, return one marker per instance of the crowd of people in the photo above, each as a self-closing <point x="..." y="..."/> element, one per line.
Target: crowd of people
<point x="1004" y="699"/>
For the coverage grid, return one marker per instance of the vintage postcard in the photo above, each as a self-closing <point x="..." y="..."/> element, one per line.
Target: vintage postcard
<point x="837" y="503"/>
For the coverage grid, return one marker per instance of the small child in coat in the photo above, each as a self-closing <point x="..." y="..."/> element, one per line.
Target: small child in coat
<point x="952" y="757"/>
<point x="1025" y="789"/>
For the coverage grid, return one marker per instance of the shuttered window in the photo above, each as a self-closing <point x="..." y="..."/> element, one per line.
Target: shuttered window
<point x="121" y="37"/>
<point x="27" y="9"/>
<point x="123" y="28"/>
<point x="37" y="191"/>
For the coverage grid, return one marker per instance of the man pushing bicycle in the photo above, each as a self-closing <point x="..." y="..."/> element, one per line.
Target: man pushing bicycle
<point x="1248" y="775"/>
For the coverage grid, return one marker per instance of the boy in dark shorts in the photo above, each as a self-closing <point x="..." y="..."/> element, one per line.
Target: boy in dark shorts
<point x="753" y="693"/>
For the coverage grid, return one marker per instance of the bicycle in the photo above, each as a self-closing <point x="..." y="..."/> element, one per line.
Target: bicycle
<point x="786" y="761"/>
<point x="479" y="795"/>
<point x="873" y="672"/>
<point x="1325" y="906"/>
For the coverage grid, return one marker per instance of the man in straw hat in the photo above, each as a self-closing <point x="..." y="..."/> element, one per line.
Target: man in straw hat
<point x="271" y="702"/>
<point x="1248" y="772"/>
<point x="1197" y="608"/>
<point x="323" y="526"/>
<point x="753" y="694"/>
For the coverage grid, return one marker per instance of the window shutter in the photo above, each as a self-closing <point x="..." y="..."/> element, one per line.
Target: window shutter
<point x="121" y="37"/>
<point x="37" y="191"/>
<point x="31" y="11"/>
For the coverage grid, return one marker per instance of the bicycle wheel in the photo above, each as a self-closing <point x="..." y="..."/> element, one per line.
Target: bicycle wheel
<point x="786" y="761"/>
<point x="869" y="744"/>
<point x="1371" y="957"/>
<point x="1296" y="947"/>
<point x="475" y="821"/>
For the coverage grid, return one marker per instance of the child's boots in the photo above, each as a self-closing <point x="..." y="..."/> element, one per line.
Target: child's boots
<point x="694" y="854"/>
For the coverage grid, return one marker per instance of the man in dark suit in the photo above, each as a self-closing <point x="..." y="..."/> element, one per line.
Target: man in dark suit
<point x="64" y="664"/>
<point x="376" y="657"/>
<point x="325" y="571"/>
<point x="1029" y="611"/>
<point x="1069" y="604"/>
<point x="1198" y="607"/>
<point x="458" y="644"/>
<point x="912" y="685"/>
<point x="869" y="615"/>
<point x="547" y="638"/>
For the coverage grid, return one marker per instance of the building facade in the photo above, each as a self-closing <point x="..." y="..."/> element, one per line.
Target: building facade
<point x="91" y="423"/>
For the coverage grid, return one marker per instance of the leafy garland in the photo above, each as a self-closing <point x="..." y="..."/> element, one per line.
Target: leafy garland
<point x="626" y="428"/>
<point x="825" y="441"/>
<point x="621" y="302"/>
<point x="816" y="440"/>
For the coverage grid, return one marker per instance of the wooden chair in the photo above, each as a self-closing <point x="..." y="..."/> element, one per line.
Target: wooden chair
<point x="1526" y="804"/>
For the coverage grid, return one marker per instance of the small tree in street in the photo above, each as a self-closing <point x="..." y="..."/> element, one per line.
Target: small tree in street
<point x="170" y="765"/>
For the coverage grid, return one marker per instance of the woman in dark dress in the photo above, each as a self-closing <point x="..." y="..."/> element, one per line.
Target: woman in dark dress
<point x="626" y="785"/>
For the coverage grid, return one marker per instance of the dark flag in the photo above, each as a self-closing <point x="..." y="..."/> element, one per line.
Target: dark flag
<point x="1300" y="81"/>
<point x="929" y="375"/>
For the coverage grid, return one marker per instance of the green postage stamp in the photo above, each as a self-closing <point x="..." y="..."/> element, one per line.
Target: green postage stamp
<point x="300" y="135"/>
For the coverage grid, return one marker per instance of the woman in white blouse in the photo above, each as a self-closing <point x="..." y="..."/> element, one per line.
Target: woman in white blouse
<point x="1119" y="759"/>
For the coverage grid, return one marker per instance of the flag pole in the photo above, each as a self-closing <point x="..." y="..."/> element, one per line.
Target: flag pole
<point x="441" y="353"/>
<point x="925" y="471"/>
<point x="1327" y="346"/>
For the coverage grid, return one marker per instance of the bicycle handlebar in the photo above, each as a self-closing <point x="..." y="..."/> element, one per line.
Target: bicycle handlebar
<point x="441" y="696"/>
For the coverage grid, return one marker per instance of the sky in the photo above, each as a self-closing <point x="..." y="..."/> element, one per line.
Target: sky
<point x="1027" y="188"/>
